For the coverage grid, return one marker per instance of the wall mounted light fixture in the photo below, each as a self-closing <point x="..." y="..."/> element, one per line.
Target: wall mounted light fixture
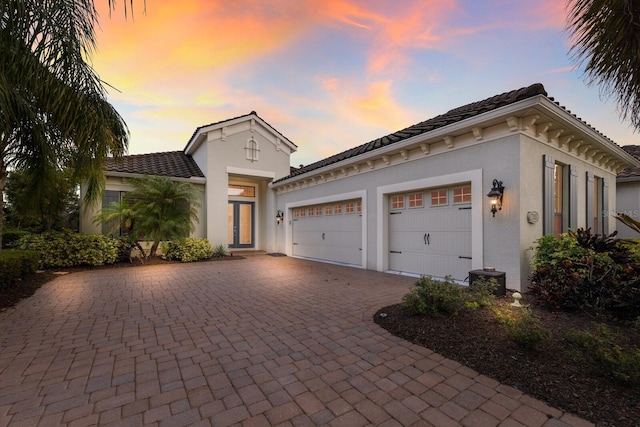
<point x="495" y="195"/>
<point x="279" y="217"/>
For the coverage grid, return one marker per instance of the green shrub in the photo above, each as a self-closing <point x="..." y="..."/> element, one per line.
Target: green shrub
<point x="68" y="249"/>
<point x="187" y="250"/>
<point x="481" y="292"/>
<point x="522" y="327"/>
<point x="16" y="264"/>
<point x="602" y="352"/>
<point x="220" y="251"/>
<point x="434" y="297"/>
<point x="10" y="238"/>
<point x="579" y="269"/>
<point x="125" y="246"/>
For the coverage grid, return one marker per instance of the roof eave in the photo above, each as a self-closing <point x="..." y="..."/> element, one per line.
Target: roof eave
<point x="192" y="179"/>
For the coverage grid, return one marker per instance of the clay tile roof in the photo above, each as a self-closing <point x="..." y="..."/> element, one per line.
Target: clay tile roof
<point x="450" y="117"/>
<point x="634" y="150"/>
<point x="172" y="163"/>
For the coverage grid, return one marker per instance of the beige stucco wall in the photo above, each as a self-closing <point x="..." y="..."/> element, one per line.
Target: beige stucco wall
<point x="628" y="201"/>
<point x="221" y="156"/>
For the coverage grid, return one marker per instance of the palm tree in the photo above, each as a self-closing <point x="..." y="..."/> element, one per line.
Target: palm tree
<point x="606" y="36"/>
<point x="53" y="107"/>
<point x="157" y="209"/>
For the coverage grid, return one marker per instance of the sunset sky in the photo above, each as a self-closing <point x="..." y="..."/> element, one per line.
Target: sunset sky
<point x="331" y="74"/>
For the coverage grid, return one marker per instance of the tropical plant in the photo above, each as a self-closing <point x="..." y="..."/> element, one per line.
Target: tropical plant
<point x="57" y="208"/>
<point x="53" y="106"/>
<point x="157" y="209"/>
<point x="605" y="37"/>
<point x="187" y="250"/>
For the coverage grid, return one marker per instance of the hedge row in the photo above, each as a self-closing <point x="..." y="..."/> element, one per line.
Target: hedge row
<point x="69" y="249"/>
<point x="15" y="264"/>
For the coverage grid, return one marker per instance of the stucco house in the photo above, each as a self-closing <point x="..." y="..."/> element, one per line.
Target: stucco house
<point x="411" y="202"/>
<point x="628" y="193"/>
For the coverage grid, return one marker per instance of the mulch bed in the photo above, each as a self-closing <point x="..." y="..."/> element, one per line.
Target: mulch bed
<point x="549" y="373"/>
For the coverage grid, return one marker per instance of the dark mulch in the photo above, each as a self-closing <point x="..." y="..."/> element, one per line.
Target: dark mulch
<point x="550" y="373"/>
<point x="12" y="294"/>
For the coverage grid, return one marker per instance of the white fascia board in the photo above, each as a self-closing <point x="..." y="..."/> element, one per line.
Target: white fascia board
<point x="436" y="134"/>
<point x="196" y="140"/>
<point x="550" y="108"/>
<point x="628" y="179"/>
<point x="193" y="179"/>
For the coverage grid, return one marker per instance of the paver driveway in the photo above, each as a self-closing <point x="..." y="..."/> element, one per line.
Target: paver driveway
<point x="257" y="341"/>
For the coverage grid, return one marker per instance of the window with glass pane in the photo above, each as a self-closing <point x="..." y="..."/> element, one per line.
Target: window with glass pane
<point x="241" y="190"/>
<point x="303" y="212"/>
<point x="439" y="197"/>
<point x="462" y="194"/>
<point x="597" y="203"/>
<point x="359" y="206"/>
<point x="318" y="210"/>
<point x="328" y="210"/>
<point x="337" y="208"/>
<point x="415" y="200"/>
<point x="312" y="211"/>
<point x="397" y="201"/>
<point x="558" y="199"/>
<point x="349" y="207"/>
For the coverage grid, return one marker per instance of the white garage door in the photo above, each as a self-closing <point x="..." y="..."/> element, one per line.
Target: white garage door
<point x="430" y="232"/>
<point x="329" y="232"/>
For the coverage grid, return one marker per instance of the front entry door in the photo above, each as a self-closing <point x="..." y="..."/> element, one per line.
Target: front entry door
<point x="240" y="224"/>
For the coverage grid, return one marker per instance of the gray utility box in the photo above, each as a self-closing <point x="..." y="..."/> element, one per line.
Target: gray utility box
<point x="487" y="274"/>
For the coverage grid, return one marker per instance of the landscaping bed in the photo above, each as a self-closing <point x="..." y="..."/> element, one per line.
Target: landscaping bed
<point x="552" y="372"/>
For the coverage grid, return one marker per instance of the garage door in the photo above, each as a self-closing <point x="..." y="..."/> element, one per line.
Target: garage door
<point x="329" y="232"/>
<point x="430" y="232"/>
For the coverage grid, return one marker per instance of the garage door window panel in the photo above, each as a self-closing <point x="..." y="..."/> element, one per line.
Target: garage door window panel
<point x="328" y="210"/>
<point x="439" y="197"/>
<point x="350" y="208"/>
<point x="337" y="209"/>
<point x="397" y="201"/>
<point x="416" y="200"/>
<point x="462" y="194"/>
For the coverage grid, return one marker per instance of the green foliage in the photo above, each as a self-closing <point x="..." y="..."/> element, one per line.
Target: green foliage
<point x="603" y="353"/>
<point x="434" y="297"/>
<point x="54" y="207"/>
<point x="10" y="238"/>
<point x="157" y="209"/>
<point x="68" y="249"/>
<point x="16" y="264"/>
<point x="187" y="250"/>
<point x="220" y="251"/>
<point x="125" y="246"/>
<point x="482" y="292"/>
<point x="522" y="327"/>
<point x="583" y="270"/>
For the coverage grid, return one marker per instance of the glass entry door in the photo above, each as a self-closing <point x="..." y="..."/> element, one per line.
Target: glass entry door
<point x="240" y="224"/>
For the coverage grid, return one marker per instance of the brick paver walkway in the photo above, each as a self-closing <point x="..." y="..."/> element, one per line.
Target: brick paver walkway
<point x="255" y="342"/>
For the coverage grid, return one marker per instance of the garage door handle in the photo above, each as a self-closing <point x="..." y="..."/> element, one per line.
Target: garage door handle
<point x="464" y="257"/>
<point x="426" y="238"/>
<point x="395" y="252"/>
<point x="322" y="236"/>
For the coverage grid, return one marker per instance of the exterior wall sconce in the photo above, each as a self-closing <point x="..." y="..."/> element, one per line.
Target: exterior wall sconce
<point x="496" y="196"/>
<point x="279" y="217"/>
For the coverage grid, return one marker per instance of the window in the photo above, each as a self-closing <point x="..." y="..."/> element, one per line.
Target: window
<point x="415" y="200"/>
<point x="303" y="212"/>
<point x="558" y="199"/>
<point x="312" y="211"/>
<point x="112" y="227"/>
<point x="251" y="150"/>
<point x="337" y="208"/>
<point x="318" y="210"/>
<point x="397" y="201"/>
<point x="597" y="204"/>
<point x="462" y="194"/>
<point x="241" y="190"/>
<point x="349" y="207"/>
<point x="359" y="206"/>
<point x="328" y="210"/>
<point x="439" y="197"/>
<point x="296" y="213"/>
